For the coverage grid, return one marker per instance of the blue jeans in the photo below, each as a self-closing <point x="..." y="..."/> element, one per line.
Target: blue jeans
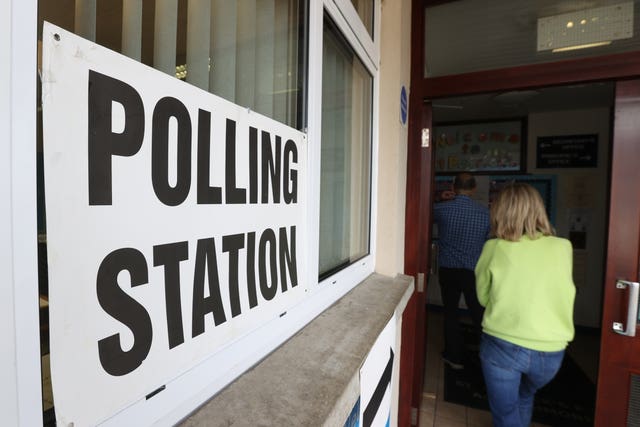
<point x="512" y="375"/>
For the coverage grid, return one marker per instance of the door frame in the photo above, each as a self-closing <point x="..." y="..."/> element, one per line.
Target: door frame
<point x="612" y="399"/>
<point x="420" y="172"/>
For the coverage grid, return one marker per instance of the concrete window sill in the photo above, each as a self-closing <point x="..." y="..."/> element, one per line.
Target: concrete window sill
<point x="313" y="378"/>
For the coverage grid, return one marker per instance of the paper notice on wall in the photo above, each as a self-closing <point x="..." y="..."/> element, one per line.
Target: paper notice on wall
<point x="580" y="191"/>
<point x="579" y="225"/>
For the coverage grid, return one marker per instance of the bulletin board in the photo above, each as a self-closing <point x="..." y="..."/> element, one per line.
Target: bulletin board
<point x="485" y="147"/>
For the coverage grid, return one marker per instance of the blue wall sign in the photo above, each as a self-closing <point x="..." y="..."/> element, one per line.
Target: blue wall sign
<point x="403" y="106"/>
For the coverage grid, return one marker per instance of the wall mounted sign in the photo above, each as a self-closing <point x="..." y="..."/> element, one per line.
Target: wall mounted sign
<point x="175" y="225"/>
<point x="404" y="106"/>
<point x="567" y="151"/>
<point x="490" y="146"/>
<point x="376" y="377"/>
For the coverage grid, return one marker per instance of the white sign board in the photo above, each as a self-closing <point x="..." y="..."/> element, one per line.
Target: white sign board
<point x="376" y="377"/>
<point x="175" y="225"/>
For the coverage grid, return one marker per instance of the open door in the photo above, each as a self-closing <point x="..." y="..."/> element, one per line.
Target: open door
<point x="618" y="398"/>
<point x="417" y="255"/>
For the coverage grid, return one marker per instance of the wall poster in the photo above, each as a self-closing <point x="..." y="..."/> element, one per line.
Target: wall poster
<point x="488" y="146"/>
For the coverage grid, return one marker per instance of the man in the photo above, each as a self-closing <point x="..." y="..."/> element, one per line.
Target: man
<point x="463" y="227"/>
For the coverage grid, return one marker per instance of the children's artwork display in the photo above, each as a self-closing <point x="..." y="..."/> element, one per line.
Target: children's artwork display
<point x="490" y="146"/>
<point x="488" y="187"/>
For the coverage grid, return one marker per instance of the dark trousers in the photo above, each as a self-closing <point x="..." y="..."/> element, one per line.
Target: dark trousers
<point x="453" y="283"/>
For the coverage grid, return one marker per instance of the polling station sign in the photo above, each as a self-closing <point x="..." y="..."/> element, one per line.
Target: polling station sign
<point x="175" y="225"/>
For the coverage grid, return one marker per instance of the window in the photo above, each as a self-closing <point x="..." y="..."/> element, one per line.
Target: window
<point x="345" y="193"/>
<point x="365" y="11"/>
<point x="250" y="52"/>
<point x="469" y="36"/>
<point x="254" y="53"/>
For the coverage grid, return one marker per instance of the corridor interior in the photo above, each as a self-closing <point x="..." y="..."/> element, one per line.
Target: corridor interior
<point x="436" y="412"/>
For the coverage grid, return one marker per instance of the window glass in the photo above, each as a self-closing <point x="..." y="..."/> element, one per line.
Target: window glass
<point x="247" y="51"/>
<point x="345" y="191"/>
<point x="251" y="52"/>
<point x="467" y="36"/>
<point x="365" y="11"/>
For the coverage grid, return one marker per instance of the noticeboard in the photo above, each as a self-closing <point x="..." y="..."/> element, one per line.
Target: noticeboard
<point x="482" y="147"/>
<point x="567" y="151"/>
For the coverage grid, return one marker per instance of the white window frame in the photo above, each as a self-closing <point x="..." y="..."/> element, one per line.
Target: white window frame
<point x="351" y="17"/>
<point x="368" y="52"/>
<point x="20" y="393"/>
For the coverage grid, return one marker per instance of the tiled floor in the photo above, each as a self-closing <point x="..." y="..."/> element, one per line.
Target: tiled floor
<point x="435" y="412"/>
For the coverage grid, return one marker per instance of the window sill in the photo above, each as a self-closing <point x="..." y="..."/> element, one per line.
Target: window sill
<point x="313" y="378"/>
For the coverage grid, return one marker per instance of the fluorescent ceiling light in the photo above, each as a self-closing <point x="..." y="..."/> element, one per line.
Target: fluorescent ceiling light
<point x="585" y="28"/>
<point x="581" y="46"/>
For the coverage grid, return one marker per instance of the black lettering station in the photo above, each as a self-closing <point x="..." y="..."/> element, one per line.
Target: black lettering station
<point x="266" y="257"/>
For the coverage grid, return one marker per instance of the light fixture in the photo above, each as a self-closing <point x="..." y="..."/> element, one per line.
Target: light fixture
<point x="581" y="46"/>
<point x="585" y="28"/>
<point x="181" y="70"/>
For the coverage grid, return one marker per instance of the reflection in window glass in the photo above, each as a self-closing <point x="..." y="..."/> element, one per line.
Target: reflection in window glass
<point x="365" y="11"/>
<point x="247" y="51"/>
<point x="346" y="155"/>
<point x="467" y="36"/>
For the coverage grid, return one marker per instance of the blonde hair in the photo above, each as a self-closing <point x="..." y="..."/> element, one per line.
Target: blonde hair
<point x="517" y="211"/>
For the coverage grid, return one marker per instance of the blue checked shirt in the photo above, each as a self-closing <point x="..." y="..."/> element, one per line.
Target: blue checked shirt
<point x="463" y="227"/>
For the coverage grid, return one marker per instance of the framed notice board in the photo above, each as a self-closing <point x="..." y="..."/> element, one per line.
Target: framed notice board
<point x="485" y="147"/>
<point x="567" y="151"/>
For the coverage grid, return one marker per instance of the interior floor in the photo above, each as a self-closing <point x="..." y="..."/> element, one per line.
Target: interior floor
<point x="435" y="412"/>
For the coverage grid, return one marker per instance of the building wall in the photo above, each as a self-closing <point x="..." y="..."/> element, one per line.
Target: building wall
<point x="580" y="191"/>
<point x="395" y="61"/>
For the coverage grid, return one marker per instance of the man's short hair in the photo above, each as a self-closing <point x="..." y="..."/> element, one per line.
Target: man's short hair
<point x="464" y="181"/>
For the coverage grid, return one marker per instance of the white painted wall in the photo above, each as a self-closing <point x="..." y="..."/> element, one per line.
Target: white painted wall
<point x="584" y="188"/>
<point x="395" y="61"/>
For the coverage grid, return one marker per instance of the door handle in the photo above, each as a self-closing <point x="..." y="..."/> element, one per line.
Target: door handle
<point x="629" y="328"/>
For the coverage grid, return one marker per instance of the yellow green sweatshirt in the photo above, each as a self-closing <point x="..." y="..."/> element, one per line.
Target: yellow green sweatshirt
<point x="527" y="290"/>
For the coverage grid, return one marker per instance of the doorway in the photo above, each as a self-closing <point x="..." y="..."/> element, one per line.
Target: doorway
<point x="575" y="118"/>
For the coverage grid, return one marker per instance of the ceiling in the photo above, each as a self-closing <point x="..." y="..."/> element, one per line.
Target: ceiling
<point x="522" y="103"/>
<point x="476" y="35"/>
<point x="479" y="35"/>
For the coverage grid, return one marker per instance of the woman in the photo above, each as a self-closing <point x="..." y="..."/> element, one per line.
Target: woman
<point x="524" y="281"/>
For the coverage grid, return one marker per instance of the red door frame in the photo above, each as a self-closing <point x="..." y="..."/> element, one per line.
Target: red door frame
<point x="416" y="247"/>
<point x="420" y="173"/>
<point x="618" y="353"/>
